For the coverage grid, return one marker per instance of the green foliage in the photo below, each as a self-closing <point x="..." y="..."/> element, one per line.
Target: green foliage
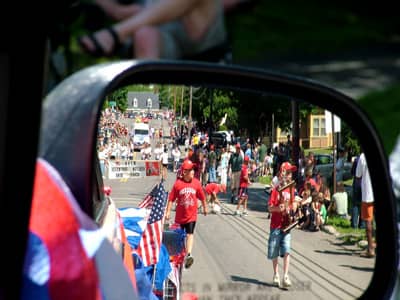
<point x="289" y="27"/>
<point x="120" y="97"/>
<point x="383" y="108"/>
<point x="350" y="141"/>
<point x="338" y="222"/>
<point x="222" y="128"/>
<point x="264" y="180"/>
<point x="140" y="88"/>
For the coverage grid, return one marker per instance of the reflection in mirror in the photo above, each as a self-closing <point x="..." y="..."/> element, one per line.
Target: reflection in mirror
<point x="318" y="201"/>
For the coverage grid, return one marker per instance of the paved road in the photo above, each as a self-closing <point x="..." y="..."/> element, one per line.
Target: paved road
<point x="354" y="73"/>
<point x="230" y="253"/>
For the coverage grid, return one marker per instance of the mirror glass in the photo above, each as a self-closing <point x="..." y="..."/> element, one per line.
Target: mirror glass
<point x="327" y="238"/>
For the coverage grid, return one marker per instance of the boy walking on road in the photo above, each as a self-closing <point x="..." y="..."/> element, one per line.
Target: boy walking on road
<point x="234" y="168"/>
<point x="244" y="182"/>
<point x="279" y="203"/>
<point x="186" y="191"/>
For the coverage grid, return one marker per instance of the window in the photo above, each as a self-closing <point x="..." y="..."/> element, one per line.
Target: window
<point x="323" y="126"/>
<point x="318" y="126"/>
<point x="135" y="102"/>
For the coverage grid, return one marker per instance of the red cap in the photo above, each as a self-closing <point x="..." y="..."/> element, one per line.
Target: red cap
<point x="286" y="166"/>
<point x="187" y="165"/>
<point x="246" y="158"/>
<point x="237" y="145"/>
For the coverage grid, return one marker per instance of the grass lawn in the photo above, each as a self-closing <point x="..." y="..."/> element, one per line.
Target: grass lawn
<point x="286" y="28"/>
<point x="384" y="110"/>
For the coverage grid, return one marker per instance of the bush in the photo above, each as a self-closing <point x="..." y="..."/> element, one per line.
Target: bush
<point x="264" y="180"/>
<point x="338" y="222"/>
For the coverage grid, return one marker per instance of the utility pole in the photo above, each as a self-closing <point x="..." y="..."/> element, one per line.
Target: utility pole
<point x="175" y="100"/>
<point x="190" y="113"/>
<point x="210" y="119"/>
<point x="273" y="131"/>
<point x="295" y="135"/>
<point x="180" y="120"/>
<point x="334" y="154"/>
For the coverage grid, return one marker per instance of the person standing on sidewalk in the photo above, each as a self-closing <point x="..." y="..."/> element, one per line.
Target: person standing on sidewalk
<point x="234" y="169"/>
<point x="282" y="197"/>
<point x="186" y="191"/>
<point x="367" y="203"/>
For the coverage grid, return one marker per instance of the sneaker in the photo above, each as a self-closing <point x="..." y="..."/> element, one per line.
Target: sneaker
<point x="276" y="280"/>
<point x="245" y="213"/>
<point x="237" y="213"/>
<point x="286" y="281"/>
<point x="189" y="261"/>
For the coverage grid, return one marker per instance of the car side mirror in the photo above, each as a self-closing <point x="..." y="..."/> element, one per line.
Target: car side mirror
<point x="72" y="111"/>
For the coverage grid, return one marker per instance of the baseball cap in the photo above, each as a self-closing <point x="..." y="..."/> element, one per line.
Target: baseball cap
<point x="246" y="158"/>
<point x="286" y="166"/>
<point x="237" y="145"/>
<point x="187" y="165"/>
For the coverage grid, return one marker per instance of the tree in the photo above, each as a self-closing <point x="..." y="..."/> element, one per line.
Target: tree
<point x="120" y="97"/>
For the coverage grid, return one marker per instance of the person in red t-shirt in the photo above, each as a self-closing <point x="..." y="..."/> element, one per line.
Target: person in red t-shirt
<point x="186" y="191"/>
<point x="244" y="182"/>
<point x="212" y="189"/>
<point x="280" y="203"/>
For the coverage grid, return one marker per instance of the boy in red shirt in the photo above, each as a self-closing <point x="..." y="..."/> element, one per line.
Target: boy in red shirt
<point x="243" y="185"/>
<point x="280" y="203"/>
<point x="212" y="189"/>
<point x="186" y="191"/>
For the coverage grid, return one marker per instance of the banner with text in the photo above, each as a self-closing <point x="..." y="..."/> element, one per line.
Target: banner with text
<point x="132" y="169"/>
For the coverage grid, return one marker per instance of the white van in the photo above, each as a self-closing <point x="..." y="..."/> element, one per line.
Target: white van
<point x="141" y="134"/>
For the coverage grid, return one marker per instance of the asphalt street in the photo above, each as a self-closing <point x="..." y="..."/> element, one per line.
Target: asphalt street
<point x="354" y="73"/>
<point x="230" y="252"/>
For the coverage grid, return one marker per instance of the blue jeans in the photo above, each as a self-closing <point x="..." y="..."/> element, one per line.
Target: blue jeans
<point x="356" y="222"/>
<point x="278" y="243"/>
<point x="212" y="176"/>
<point x="102" y="168"/>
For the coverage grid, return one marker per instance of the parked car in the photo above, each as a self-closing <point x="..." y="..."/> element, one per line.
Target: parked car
<point x="219" y="139"/>
<point x="324" y="165"/>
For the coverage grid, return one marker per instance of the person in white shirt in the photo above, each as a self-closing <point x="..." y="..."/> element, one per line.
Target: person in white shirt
<point x="224" y="161"/>
<point x="340" y="201"/>
<point x="164" y="163"/>
<point x="146" y="151"/>
<point x="367" y="203"/>
<point x="176" y="155"/>
<point x="158" y="151"/>
<point x="103" y="159"/>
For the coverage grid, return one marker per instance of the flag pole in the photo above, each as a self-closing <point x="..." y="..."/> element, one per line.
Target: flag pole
<point x="162" y="226"/>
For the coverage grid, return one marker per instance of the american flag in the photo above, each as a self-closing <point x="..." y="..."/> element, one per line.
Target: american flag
<point x="150" y="243"/>
<point x="147" y="202"/>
